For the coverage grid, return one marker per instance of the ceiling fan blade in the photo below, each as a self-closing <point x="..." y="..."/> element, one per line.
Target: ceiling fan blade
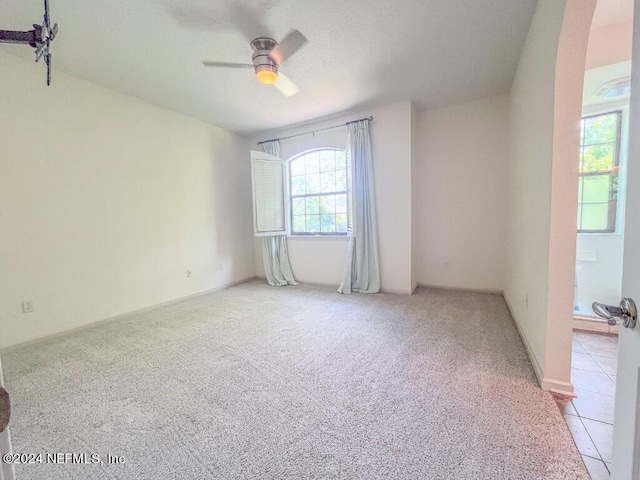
<point x="248" y="19"/>
<point x="243" y="17"/>
<point x="285" y="86"/>
<point x="209" y="63"/>
<point x="288" y="46"/>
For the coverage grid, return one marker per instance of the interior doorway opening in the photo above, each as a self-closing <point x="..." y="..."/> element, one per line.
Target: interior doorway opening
<point x="602" y="163"/>
<point x="604" y="139"/>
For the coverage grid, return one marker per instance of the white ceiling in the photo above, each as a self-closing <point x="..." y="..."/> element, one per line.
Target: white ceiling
<point x="361" y="53"/>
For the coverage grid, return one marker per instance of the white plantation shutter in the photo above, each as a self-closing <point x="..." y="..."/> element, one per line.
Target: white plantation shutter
<point x="269" y="193"/>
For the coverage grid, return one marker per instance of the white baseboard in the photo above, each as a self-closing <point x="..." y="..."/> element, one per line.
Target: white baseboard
<point x="336" y="286"/>
<point x="491" y="291"/>
<point x="320" y="284"/>
<point x="302" y="282"/>
<point x="532" y="357"/>
<point x="590" y="324"/>
<point x="556" y="386"/>
<point x="400" y="291"/>
<point x="549" y="384"/>
<point x="396" y="292"/>
<point x="123" y="315"/>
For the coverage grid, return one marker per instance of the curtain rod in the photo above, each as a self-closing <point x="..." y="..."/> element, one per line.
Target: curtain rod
<point x="369" y="119"/>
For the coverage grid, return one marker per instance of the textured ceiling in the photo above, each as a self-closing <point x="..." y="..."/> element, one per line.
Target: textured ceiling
<point x="361" y="53"/>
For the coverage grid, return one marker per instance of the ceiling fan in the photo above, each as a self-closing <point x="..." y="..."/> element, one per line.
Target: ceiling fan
<point x="267" y="57"/>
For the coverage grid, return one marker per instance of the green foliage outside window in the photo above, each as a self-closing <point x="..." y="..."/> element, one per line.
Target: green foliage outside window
<point x="599" y="158"/>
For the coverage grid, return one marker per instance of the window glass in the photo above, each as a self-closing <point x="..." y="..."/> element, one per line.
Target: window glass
<point x="318" y="182"/>
<point x="599" y="159"/>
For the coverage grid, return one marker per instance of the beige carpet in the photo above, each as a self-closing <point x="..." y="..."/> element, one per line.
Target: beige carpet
<point x="256" y="382"/>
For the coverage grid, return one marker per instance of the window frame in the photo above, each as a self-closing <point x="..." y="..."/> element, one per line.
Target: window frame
<point x="291" y="196"/>
<point x="613" y="205"/>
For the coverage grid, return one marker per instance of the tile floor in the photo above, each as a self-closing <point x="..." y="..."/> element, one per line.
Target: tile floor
<point x="590" y="415"/>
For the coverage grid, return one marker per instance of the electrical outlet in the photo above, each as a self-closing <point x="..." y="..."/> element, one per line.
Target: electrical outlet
<point x="27" y="306"/>
<point x="189" y="273"/>
<point x="220" y="266"/>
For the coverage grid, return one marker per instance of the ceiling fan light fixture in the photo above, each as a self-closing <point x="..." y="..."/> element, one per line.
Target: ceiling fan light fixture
<point x="267" y="76"/>
<point x="267" y="57"/>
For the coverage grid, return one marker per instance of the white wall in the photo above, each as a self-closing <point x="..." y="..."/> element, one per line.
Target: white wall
<point x="542" y="195"/>
<point x="572" y="52"/>
<point x="599" y="273"/>
<point x="529" y="180"/>
<point x="106" y="201"/>
<point x="529" y="191"/>
<point x="461" y="174"/>
<point x="321" y="260"/>
<point x="610" y="44"/>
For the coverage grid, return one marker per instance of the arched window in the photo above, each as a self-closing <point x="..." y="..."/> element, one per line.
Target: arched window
<point x="318" y="192"/>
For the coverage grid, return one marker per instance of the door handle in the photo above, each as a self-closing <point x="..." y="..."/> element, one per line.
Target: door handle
<point x="626" y="312"/>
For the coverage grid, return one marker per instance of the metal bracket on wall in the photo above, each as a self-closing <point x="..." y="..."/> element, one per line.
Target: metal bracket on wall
<point x="39" y="38"/>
